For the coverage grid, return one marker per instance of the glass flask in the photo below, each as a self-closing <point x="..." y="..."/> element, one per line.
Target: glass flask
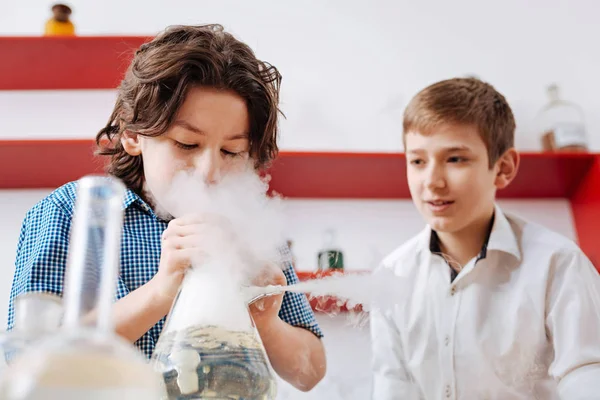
<point x="37" y="314"/>
<point x="85" y="359"/>
<point x="561" y="124"/>
<point x="209" y="347"/>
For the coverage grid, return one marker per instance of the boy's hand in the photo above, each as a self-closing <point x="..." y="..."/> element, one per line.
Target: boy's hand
<point x="187" y="241"/>
<point x="266" y="310"/>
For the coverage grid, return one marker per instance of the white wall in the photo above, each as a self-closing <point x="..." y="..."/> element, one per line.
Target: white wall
<point x="349" y="68"/>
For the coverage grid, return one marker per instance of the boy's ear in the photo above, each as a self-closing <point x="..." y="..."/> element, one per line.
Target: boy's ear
<point x="131" y="143"/>
<point x="506" y="167"/>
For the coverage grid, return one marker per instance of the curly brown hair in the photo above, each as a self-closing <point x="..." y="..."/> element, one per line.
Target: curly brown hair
<point x="467" y="101"/>
<point x="159" y="77"/>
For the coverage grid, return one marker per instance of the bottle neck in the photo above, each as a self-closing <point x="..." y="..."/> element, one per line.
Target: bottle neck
<point x="93" y="259"/>
<point x="209" y="297"/>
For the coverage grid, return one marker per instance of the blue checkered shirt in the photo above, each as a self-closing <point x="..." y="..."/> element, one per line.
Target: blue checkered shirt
<point x="44" y="241"/>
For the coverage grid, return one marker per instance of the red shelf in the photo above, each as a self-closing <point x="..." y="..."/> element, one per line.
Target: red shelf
<point x="383" y="176"/>
<point x="340" y="175"/>
<point x="585" y="205"/>
<point x="43" y="63"/>
<point x="32" y="164"/>
<point x="51" y="163"/>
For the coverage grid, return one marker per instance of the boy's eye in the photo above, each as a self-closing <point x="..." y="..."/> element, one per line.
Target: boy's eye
<point x="456" y="159"/>
<point x="228" y="153"/>
<point x="185" y="146"/>
<point x="417" y="161"/>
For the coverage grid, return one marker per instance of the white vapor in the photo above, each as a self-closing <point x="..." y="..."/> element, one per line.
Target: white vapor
<point x="237" y="204"/>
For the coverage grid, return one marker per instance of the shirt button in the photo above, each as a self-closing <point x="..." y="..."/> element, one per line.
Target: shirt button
<point x="447" y="340"/>
<point x="453" y="290"/>
<point x="447" y="390"/>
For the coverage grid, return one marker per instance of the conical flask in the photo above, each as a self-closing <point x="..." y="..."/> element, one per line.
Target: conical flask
<point x="209" y="347"/>
<point x="86" y="359"/>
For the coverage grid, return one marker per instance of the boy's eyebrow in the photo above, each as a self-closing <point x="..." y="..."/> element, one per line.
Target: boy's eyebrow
<point x="415" y="151"/>
<point x="238" y="136"/>
<point x="186" y="125"/>
<point x="457" y="148"/>
<point x="445" y="149"/>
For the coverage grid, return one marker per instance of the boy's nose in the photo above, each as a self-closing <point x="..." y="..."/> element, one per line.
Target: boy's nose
<point x="435" y="178"/>
<point x="209" y="165"/>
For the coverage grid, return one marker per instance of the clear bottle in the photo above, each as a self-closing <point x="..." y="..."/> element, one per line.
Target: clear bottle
<point x="86" y="359"/>
<point x="37" y="315"/>
<point x="561" y="124"/>
<point x="209" y="347"/>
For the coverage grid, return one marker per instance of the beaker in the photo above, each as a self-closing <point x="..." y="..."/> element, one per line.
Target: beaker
<point x="209" y="347"/>
<point x="85" y="359"/>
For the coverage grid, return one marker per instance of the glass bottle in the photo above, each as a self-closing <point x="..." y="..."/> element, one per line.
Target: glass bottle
<point x="86" y="359"/>
<point x="561" y="124"/>
<point x="330" y="256"/>
<point x="37" y="314"/>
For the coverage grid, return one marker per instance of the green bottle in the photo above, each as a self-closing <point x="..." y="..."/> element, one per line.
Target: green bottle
<point x="331" y="256"/>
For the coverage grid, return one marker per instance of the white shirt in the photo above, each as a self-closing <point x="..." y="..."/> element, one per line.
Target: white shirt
<point x="521" y="323"/>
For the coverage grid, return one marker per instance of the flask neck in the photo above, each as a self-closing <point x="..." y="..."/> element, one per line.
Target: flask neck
<point x="93" y="260"/>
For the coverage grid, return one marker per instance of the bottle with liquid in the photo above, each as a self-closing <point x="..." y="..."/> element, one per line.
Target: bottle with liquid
<point x="209" y="347"/>
<point x="561" y="124"/>
<point x="85" y="359"/>
<point x="37" y="315"/>
<point x="330" y="256"/>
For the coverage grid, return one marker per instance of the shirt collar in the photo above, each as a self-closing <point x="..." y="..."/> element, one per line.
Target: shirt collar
<point x="434" y="241"/>
<point x="132" y="198"/>
<point x="503" y="237"/>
